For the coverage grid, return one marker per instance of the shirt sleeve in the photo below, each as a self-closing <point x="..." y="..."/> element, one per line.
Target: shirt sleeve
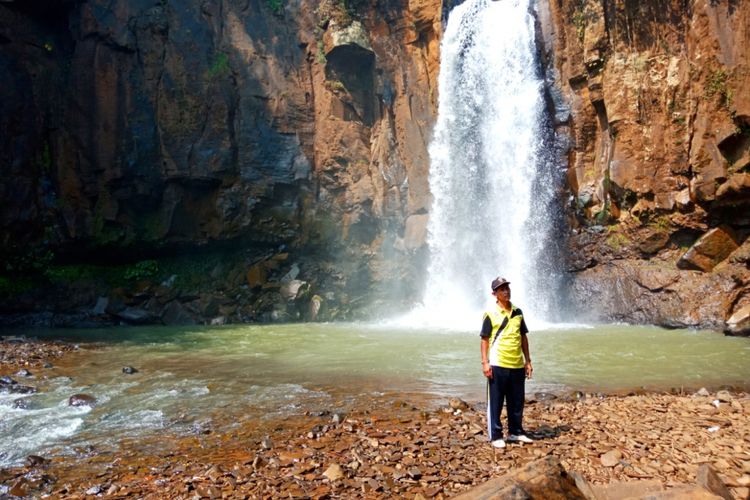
<point x="486" y="327"/>
<point x="524" y="329"/>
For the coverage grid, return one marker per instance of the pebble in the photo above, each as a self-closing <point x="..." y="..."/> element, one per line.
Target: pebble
<point x="419" y="452"/>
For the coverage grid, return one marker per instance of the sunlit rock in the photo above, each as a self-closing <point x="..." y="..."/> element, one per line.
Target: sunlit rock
<point x="739" y="322"/>
<point x="712" y="248"/>
<point x="82" y="400"/>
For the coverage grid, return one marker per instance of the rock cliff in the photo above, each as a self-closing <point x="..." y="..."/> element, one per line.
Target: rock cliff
<point x="249" y="160"/>
<point x="288" y="136"/>
<point x="653" y="97"/>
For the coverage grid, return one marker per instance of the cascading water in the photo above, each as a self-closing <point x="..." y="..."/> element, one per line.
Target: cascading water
<point x="492" y="175"/>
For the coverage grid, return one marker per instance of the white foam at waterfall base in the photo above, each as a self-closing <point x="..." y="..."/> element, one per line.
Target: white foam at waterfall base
<point x="490" y="196"/>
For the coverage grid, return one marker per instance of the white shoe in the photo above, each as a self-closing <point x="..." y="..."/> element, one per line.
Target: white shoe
<point x="498" y="443"/>
<point x="520" y="438"/>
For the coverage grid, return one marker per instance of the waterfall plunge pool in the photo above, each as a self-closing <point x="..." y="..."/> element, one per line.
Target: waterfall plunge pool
<point x="226" y="376"/>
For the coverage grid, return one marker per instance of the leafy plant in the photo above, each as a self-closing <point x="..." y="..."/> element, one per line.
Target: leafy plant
<point x="220" y="65"/>
<point x="661" y="224"/>
<point x="617" y="241"/>
<point x="716" y="84"/>
<point x="335" y="86"/>
<point x="142" y="270"/>
<point x="320" y="57"/>
<point x="276" y="6"/>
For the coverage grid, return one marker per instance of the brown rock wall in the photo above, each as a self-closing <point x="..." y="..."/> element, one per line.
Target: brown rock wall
<point x="660" y="145"/>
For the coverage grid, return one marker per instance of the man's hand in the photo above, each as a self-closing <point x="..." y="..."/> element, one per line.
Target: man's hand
<point x="487" y="369"/>
<point x="529" y="369"/>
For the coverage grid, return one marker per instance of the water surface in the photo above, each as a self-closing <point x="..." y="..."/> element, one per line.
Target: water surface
<point x="194" y="377"/>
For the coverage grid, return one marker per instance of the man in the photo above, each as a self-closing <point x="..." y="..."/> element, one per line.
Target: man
<point x="506" y="363"/>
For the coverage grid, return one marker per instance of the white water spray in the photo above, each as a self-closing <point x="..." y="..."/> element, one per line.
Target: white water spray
<point x="487" y="174"/>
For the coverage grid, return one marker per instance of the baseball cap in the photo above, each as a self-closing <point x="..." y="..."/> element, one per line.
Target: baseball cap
<point x="498" y="282"/>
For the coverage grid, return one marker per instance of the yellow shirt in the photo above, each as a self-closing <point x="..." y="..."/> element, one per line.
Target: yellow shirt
<point x="505" y="351"/>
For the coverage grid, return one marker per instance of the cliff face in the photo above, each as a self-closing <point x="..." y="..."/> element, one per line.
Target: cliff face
<point x="281" y="145"/>
<point x="659" y="160"/>
<point x="131" y="129"/>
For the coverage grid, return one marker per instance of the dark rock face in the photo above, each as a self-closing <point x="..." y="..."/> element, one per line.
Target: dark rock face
<point x="132" y="129"/>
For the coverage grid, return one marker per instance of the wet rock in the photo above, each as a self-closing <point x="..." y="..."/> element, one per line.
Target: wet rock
<point x="19" y="389"/>
<point x="702" y="392"/>
<point x="22" y="404"/>
<point x="256" y="275"/>
<point x="100" y="307"/>
<point x="290" y="289"/>
<point x="129" y="370"/>
<point x="6" y="380"/>
<point x="544" y="396"/>
<point x="739" y="322"/>
<point x="175" y="314"/>
<point x="218" y="321"/>
<point x="136" y="316"/>
<point x="23" y="372"/>
<point x="338" y="418"/>
<point x="36" y="461"/>
<point x="81" y="400"/>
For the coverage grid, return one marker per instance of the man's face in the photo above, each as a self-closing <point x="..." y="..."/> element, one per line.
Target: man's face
<point x="503" y="293"/>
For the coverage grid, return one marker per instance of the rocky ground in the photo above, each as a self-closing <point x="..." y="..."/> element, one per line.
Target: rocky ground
<point x="403" y="449"/>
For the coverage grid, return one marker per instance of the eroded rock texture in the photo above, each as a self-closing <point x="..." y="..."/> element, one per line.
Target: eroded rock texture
<point x="131" y="128"/>
<point x="660" y="154"/>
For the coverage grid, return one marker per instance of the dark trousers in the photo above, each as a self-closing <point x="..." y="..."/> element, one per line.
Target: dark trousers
<point x="506" y="384"/>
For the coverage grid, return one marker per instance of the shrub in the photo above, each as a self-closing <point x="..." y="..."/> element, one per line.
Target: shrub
<point x="142" y="270"/>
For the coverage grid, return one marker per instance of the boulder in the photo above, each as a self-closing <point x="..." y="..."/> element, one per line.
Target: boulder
<point x="709" y="479"/>
<point x="290" y="289"/>
<point x="175" y="314"/>
<point x="735" y="191"/>
<point x="22" y="404"/>
<point x="136" y="316"/>
<point x="739" y="322"/>
<point x="81" y="400"/>
<point x="626" y="489"/>
<point x="256" y="275"/>
<point x="543" y="478"/>
<point x="218" y="321"/>
<point x="458" y="404"/>
<point x="710" y="249"/>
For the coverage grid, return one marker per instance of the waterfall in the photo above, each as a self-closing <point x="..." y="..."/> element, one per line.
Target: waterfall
<point x="491" y="174"/>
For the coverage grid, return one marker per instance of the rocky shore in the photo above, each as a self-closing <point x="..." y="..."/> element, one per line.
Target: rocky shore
<point x="407" y="449"/>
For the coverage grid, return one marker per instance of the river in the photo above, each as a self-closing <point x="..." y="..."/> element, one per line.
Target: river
<point x="220" y="377"/>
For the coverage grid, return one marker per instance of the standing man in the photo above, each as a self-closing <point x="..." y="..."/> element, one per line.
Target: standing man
<point x="506" y="363"/>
